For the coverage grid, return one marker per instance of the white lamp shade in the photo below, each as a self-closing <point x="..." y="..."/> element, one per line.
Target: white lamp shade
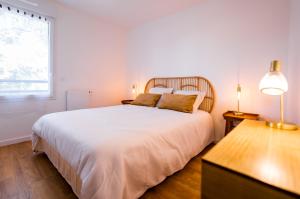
<point x="273" y="83"/>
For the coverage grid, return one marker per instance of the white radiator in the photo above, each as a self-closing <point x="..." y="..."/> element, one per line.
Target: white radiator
<point x="78" y="99"/>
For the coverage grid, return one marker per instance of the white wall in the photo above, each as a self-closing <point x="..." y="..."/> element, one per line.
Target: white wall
<point x="88" y="54"/>
<point x="294" y="62"/>
<point x="213" y="40"/>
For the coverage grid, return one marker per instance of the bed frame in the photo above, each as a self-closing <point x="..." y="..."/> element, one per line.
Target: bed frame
<point x="187" y="83"/>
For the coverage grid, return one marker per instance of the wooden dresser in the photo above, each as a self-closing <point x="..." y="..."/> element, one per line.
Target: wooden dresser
<point x="253" y="162"/>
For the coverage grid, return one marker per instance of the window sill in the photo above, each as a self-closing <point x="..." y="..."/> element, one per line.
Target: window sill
<point x="4" y="99"/>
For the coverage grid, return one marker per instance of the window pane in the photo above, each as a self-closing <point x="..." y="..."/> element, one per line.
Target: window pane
<point x="11" y="87"/>
<point x="24" y="52"/>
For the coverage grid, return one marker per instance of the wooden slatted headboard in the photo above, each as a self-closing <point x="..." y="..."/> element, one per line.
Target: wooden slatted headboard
<point x="187" y="83"/>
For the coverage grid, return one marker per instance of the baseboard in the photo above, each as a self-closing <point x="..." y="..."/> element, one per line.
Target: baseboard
<point x="15" y="140"/>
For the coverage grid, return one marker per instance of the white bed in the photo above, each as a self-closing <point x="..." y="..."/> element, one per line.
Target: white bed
<point x="121" y="151"/>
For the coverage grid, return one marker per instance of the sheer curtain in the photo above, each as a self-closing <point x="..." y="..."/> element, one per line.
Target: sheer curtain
<point x="25" y="47"/>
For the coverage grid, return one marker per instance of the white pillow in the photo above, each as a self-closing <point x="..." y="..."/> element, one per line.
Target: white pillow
<point x="160" y="90"/>
<point x="200" y="97"/>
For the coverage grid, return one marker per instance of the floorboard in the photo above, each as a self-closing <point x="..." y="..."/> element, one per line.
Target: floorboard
<point x="27" y="176"/>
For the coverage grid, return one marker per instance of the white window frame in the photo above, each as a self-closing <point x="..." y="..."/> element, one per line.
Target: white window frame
<point x="36" y="96"/>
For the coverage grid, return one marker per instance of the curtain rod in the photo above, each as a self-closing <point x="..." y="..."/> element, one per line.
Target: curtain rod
<point x="25" y="11"/>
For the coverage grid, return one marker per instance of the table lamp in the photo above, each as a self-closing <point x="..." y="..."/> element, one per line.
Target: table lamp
<point x="134" y="90"/>
<point x="275" y="83"/>
<point x="238" y="91"/>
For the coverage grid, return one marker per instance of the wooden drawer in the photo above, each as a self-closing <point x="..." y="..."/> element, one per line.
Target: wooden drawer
<point x="221" y="183"/>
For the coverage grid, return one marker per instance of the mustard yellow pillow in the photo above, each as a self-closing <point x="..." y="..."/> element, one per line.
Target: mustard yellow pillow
<point x="146" y="99"/>
<point x="177" y="102"/>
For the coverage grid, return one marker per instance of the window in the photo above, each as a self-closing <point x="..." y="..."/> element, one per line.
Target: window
<point x="25" y="53"/>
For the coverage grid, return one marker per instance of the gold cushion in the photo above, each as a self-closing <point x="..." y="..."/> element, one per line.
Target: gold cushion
<point x="146" y="99"/>
<point x="177" y="102"/>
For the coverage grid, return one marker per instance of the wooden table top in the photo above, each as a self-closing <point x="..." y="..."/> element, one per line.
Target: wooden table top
<point x="249" y="116"/>
<point x="269" y="155"/>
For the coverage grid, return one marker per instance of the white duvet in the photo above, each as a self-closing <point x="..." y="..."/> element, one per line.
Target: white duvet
<point x="121" y="151"/>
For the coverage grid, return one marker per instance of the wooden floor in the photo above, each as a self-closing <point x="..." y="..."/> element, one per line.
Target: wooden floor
<point x="27" y="176"/>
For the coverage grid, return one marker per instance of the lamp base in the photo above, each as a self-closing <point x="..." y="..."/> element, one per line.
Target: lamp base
<point x="237" y="113"/>
<point x="282" y="126"/>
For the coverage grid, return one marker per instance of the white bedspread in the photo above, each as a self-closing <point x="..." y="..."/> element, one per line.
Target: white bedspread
<point x="121" y="151"/>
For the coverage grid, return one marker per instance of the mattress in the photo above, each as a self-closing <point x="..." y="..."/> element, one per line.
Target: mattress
<point x="120" y="151"/>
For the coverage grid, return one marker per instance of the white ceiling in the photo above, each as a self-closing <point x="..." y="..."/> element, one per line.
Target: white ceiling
<point x="130" y="13"/>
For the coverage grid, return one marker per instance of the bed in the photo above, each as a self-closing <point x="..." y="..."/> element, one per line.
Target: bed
<point x="121" y="151"/>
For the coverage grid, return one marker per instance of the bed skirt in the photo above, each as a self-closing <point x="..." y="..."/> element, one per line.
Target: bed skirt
<point x="64" y="168"/>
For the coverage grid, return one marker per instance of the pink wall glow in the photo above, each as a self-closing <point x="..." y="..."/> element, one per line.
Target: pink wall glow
<point x="214" y="39"/>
